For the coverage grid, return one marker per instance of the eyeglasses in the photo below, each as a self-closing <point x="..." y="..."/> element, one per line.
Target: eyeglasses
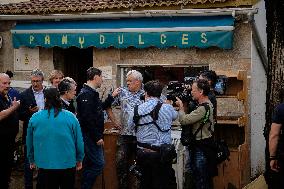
<point x="36" y="81"/>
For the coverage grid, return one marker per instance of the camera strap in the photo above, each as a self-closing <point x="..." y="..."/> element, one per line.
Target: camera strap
<point x="205" y="119"/>
<point x="154" y="114"/>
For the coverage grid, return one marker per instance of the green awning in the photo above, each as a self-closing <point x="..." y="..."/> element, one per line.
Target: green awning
<point x="161" y="32"/>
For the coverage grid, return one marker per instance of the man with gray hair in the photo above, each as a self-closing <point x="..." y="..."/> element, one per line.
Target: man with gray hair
<point x="128" y="98"/>
<point x="32" y="100"/>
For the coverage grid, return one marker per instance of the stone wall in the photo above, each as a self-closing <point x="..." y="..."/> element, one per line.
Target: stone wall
<point x="7" y="55"/>
<point x="239" y="58"/>
<point x="225" y="61"/>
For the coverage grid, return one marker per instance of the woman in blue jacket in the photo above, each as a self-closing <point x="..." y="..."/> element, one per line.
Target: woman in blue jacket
<point x="55" y="144"/>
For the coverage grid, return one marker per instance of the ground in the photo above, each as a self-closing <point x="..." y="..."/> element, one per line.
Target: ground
<point x="17" y="179"/>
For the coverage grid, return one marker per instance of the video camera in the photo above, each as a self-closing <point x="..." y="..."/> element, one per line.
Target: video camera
<point x="180" y="90"/>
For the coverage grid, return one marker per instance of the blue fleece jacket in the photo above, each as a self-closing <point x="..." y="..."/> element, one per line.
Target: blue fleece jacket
<point x="54" y="142"/>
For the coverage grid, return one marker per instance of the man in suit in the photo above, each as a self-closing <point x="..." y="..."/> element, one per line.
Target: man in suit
<point x="32" y="100"/>
<point x="67" y="90"/>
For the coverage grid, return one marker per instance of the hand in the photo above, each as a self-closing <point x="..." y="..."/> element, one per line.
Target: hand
<point x="169" y="102"/>
<point x="16" y="103"/>
<point x="100" y="142"/>
<point x="78" y="166"/>
<point x="116" y="92"/>
<point x="274" y="165"/>
<point x="34" y="109"/>
<point x="179" y="104"/>
<point x="32" y="166"/>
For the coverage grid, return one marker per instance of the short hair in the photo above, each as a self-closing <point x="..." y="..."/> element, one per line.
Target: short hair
<point x="52" y="100"/>
<point x="210" y="75"/>
<point x="153" y="88"/>
<point x="54" y="73"/>
<point x="37" y="72"/>
<point x="64" y="86"/>
<point x="70" y="79"/>
<point x="4" y="75"/>
<point x="92" y="72"/>
<point x="9" y="73"/>
<point x="135" y="74"/>
<point x="203" y="84"/>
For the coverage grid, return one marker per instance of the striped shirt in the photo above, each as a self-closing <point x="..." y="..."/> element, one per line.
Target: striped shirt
<point x="127" y="100"/>
<point x="149" y="133"/>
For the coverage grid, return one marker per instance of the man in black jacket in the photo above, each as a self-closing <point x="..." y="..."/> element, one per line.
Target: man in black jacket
<point x="32" y="100"/>
<point x="9" y="126"/>
<point x="91" y="117"/>
<point x="67" y="90"/>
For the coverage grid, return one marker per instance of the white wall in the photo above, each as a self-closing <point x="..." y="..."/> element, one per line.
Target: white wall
<point x="258" y="97"/>
<point x="12" y="1"/>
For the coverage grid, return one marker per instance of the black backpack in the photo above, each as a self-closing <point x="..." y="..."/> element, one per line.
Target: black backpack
<point x="214" y="148"/>
<point x="154" y="114"/>
<point x="167" y="151"/>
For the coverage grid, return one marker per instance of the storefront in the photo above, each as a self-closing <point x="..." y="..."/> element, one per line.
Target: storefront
<point x="71" y="39"/>
<point x="167" y="48"/>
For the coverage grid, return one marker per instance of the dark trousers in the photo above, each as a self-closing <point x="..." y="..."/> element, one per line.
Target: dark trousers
<point x="155" y="174"/>
<point x="56" y="178"/>
<point x="93" y="163"/>
<point x="7" y="144"/>
<point x="28" y="173"/>
<point x="276" y="179"/>
<point x="126" y="152"/>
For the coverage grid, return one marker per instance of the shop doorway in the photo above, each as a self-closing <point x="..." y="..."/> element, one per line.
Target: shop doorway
<point x="164" y="74"/>
<point x="73" y="62"/>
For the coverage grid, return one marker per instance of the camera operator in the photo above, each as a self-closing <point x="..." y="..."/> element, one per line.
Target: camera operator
<point x="151" y="135"/>
<point x="211" y="77"/>
<point x="198" y="165"/>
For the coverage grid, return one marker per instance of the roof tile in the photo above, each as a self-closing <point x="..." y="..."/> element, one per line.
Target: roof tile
<point x="64" y="6"/>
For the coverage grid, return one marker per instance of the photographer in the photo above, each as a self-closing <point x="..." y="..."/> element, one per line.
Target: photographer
<point x="200" y="121"/>
<point x="153" y="133"/>
<point x="211" y="77"/>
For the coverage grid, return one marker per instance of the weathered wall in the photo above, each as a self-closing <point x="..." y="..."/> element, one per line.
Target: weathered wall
<point x="258" y="100"/>
<point x="239" y="58"/>
<point x="229" y="60"/>
<point x="6" y="52"/>
<point x="7" y="57"/>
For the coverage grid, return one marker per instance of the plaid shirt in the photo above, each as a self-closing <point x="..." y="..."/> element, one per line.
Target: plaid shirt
<point x="127" y="101"/>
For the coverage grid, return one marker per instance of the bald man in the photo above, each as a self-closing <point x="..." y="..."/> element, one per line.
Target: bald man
<point x="9" y="127"/>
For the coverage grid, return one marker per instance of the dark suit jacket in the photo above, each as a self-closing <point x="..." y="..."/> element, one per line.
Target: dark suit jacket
<point x="90" y="112"/>
<point x="69" y="107"/>
<point x="27" y="99"/>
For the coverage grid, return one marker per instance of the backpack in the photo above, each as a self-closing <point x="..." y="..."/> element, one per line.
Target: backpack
<point x="187" y="137"/>
<point x="154" y="114"/>
<point x="167" y="151"/>
<point x="216" y="149"/>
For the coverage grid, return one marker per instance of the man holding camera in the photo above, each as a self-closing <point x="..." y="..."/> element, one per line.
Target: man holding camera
<point x="201" y="123"/>
<point x="153" y="130"/>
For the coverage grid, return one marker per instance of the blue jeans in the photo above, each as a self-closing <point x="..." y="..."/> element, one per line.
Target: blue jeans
<point x="197" y="166"/>
<point x="93" y="162"/>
